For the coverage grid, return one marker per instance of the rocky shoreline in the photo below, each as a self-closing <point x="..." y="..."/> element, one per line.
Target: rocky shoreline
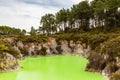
<point x="18" y="67"/>
<point x="15" y="68"/>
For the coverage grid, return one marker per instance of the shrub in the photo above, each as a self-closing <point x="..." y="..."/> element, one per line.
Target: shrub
<point x="82" y="37"/>
<point x="96" y="39"/>
<point x="37" y="38"/>
<point x="6" y="47"/>
<point x="3" y="46"/>
<point x="112" y="47"/>
<point x="115" y="76"/>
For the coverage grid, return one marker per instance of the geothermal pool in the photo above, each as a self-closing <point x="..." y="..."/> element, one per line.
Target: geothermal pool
<point x="52" y="68"/>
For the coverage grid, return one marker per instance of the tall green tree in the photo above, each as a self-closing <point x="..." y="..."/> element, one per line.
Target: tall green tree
<point x="82" y="12"/>
<point x="23" y="32"/>
<point x="105" y="11"/>
<point x="33" y="31"/>
<point x="99" y="7"/>
<point x="112" y="12"/>
<point x="48" y="24"/>
<point x="62" y="17"/>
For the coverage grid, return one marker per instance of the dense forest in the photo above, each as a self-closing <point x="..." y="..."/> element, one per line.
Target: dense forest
<point x="104" y="14"/>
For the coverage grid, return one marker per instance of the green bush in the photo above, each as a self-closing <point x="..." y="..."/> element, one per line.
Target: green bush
<point x="96" y="39"/>
<point x="37" y="38"/>
<point x="115" y="76"/>
<point x="63" y="37"/>
<point x="3" y="46"/>
<point x="6" y="47"/>
<point x="82" y="37"/>
<point x="112" y="47"/>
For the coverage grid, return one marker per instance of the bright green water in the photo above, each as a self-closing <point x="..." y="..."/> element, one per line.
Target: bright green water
<point x="52" y="68"/>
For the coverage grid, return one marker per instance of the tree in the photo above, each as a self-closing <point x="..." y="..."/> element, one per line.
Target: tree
<point x="62" y="18"/>
<point x="105" y="12"/>
<point x="33" y="31"/>
<point x="82" y="12"/>
<point x="23" y="32"/>
<point x="99" y="11"/>
<point x="112" y="12"/>
<point x="48" y="24"/>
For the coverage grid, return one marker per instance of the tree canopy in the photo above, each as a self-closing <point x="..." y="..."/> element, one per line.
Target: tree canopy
<point x="6" y="30"/>
<point x="84" y="16"/>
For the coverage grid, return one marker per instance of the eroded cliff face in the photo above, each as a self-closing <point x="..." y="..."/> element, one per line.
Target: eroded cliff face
<point x="106" y="59"/>
<point x="104" y="64"/>
<point x="8" y="62"/>
<point x="10" y="51"/>
<point x="8" y="57"/>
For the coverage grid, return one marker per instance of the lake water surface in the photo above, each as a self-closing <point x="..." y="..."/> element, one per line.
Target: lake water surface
<point x="52" y="68"/>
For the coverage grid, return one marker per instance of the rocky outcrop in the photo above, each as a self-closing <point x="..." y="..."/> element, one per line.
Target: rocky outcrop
<point x="8" y="62"/>
<point x="106" y="59"/>
<point x="8" y="57"/>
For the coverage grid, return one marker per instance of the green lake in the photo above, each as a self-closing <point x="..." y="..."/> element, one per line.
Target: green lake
<point x="52" y="68"/>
